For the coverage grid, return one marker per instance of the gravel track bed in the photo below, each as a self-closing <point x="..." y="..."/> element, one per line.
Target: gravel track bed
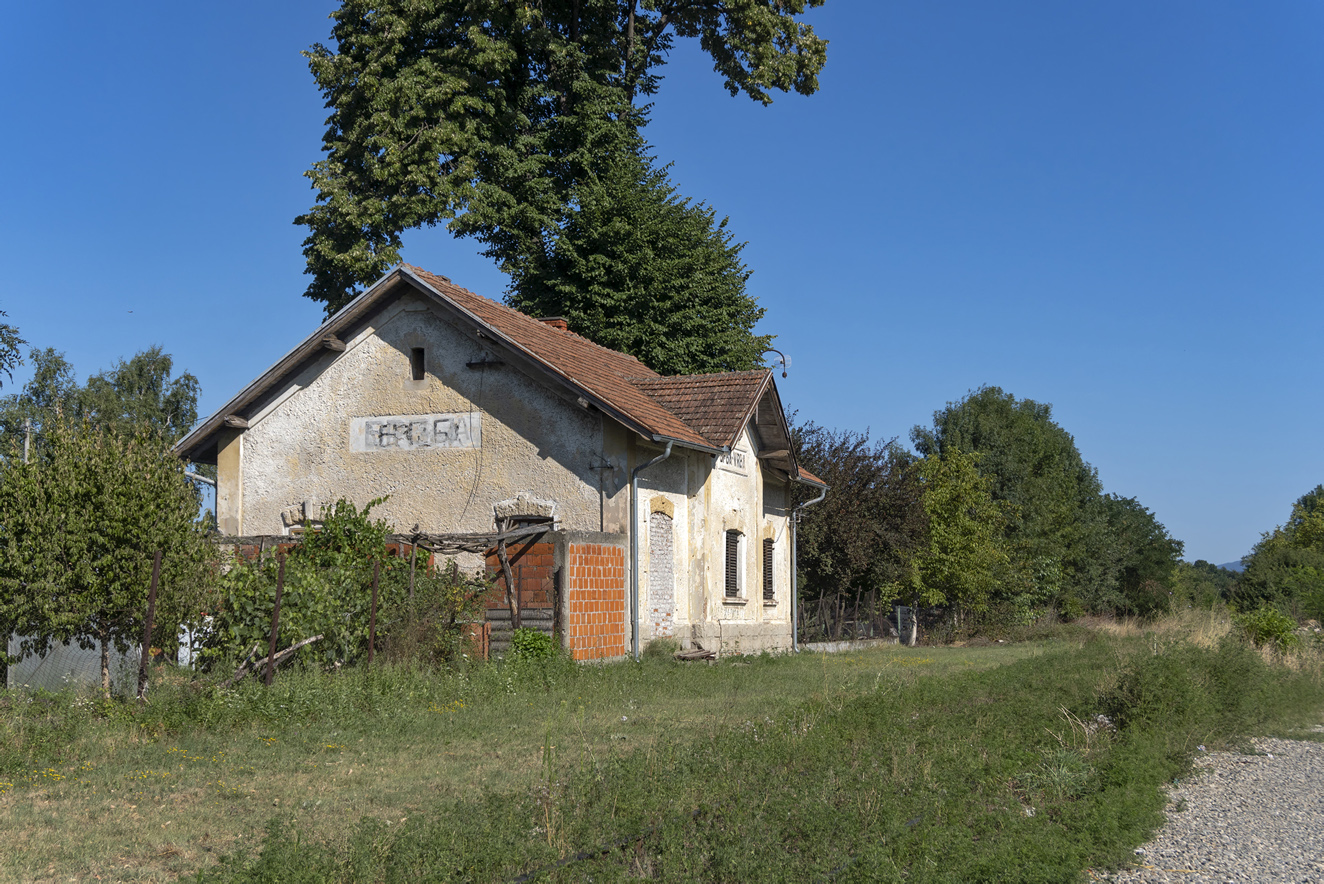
<point x="1242" y="818"/>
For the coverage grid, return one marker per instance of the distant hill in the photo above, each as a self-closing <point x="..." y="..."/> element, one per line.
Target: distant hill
<point x="1234" y="566"/>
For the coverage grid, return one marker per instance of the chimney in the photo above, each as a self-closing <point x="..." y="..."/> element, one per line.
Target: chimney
<point x="556" y="322"/>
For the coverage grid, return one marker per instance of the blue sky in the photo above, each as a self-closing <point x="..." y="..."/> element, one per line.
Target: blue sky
<point x="1113" y="207"/>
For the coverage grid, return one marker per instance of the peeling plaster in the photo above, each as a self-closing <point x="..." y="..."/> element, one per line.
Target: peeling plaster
<point x="538" y="453"/>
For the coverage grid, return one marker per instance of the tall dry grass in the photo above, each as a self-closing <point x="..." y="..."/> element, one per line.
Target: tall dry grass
<point x="1207" y="628"/>
<point x="1203" y="628"/>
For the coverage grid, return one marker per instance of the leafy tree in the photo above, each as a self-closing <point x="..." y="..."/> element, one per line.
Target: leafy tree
<point x="1202" y="584"/>
<point x="640" y="270"/>
<point x="1146" y="556"/>
<point x="1286" y="568"/>
<point x="10" y="342"/>
<point x="136" y="393"/>
<point x="1057" y="525"/>
<point x="141" y="392"/>
<point x="52" y="390"/>
<point x="79" y="526"/>
<point x="1304" y="528"/>
<point x="961" y="562"/>
<point x="496" y="118"/>
<point x="863" y="536"/>
<point x="1290" y="579"/>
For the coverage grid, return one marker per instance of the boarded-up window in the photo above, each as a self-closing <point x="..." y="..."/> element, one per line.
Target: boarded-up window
<point x="732" y="564"/>
<point x="769" y="593"/>
<point x="661" y="575"/>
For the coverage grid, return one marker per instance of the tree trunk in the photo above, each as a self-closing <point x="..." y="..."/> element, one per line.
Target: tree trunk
<point x="629" y="52"/>
<point x="512" y="591"/>
<point x="105" y="660"/>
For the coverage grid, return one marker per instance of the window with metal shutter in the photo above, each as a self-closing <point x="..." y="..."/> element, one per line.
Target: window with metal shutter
<point x="732" y="564"/>
<point x="768" y="592"/>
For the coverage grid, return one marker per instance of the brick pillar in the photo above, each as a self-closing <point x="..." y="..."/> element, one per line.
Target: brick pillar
<point x="596" y="591"/>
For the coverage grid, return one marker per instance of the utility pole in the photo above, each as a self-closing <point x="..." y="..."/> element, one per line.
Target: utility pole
<point x="27" y="437"/>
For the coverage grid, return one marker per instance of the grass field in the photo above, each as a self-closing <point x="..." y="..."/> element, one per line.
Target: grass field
<point x="927" y="763"/>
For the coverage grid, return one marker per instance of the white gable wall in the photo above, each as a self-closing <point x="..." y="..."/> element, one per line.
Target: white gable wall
<point x="299" y="449"/>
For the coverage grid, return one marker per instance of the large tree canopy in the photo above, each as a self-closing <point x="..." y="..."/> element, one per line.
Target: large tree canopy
<point x="1286" y="568"/>
<point x="640" y="270"/>
<point x="1057" y="524"/>
<point x="51" y="390"/>
<point x="141" y="392"/>
<point x="1145" y="556"/>
<point x="864" y="535"/>
<point x="497" y="118"/>
<point x="963" y="557"/>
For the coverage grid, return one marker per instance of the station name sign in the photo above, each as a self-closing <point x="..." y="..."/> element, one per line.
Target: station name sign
<point x="416" y="432"/>
<point x="734" y="461"/>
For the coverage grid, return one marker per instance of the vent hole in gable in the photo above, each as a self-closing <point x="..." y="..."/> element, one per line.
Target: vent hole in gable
<point x="416" y="363"/>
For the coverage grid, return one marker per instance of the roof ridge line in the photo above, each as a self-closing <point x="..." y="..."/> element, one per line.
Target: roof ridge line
<point x="524" y="316"/>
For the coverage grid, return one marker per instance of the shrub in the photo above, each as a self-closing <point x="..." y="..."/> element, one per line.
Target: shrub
<point x="1162" y="691"/>
<point x="1268" y="626"/>
<point x="530" y="645"/>
<point x="327" y="592"/>
<point x="429" y="628"/>
<point x="662" y="648"/>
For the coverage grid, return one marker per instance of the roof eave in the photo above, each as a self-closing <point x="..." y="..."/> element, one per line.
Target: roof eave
<point x="197" y="439"/>
<point x="707" y="449"/>
<point x="616" y="414"/>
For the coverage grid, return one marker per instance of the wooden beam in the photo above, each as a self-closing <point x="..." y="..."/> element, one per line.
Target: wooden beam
<point x="236" y="422"/>
<point x="773" y="452"/>
<point x="331" y="342"/>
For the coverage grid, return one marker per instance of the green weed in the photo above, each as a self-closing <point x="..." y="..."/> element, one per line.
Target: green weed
<point x="1047" y="766"/>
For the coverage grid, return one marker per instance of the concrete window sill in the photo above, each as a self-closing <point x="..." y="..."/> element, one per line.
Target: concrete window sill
<point x="739" y="603"/>
<point x="769" y="603"/>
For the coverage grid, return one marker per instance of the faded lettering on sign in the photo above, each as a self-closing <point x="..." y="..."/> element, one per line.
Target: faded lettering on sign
<point x="416" y="432"/>
<point x="734" y="461"/>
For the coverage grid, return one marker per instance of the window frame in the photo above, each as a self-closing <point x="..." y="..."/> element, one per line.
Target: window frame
<point x="733" y="577"/>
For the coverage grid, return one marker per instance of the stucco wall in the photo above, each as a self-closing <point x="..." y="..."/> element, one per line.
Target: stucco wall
<point x="705" y="498"/>
<point x="298" y="453"/>
<point x="736" y="502"/>
<point x="505" y="434"/>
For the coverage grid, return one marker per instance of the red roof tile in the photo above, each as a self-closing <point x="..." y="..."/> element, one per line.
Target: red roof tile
<point x="706" y="411"/>
<point x="604" y="373"/>
<point x="716" y="405"/>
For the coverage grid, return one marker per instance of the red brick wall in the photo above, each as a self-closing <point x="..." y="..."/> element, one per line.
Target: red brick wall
<point x="532" y="565"/>
<point x="596" y="590"/>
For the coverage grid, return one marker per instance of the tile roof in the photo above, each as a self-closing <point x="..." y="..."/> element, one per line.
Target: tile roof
<point x="604" y="373"/>
<point x="716" y="405"/>
<point x="705" y="411"/>
<point x="709" y="410"/>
